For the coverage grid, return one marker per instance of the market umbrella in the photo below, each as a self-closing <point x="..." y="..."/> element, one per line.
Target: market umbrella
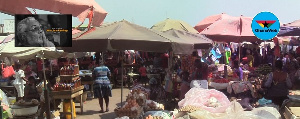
<point x="173" y="24"/>
<point x="199" y="41"/>
<point x="293" y="24"/>
<point x="208" y="21"/>
<point x="78" y="8"/>
<point x="8" y="49"/>
<point x="124" y="35"/>
<point x="231" y="29"/>
<point x="289" y="31"/>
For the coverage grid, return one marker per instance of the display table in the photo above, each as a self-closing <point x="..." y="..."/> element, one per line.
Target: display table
<point x="10" y="91"/>
<point x="70" y="94"/>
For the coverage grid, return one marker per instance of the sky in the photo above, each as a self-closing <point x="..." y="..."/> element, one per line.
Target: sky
<point x="149" y="12"/>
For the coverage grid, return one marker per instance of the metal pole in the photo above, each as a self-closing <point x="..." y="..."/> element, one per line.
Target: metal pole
<point x="239" y="54"/>
<point x="47" y="102"/>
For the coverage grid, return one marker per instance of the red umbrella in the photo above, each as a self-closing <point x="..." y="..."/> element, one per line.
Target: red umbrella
<point x="231" y="29"/>
<point x="208" y="21"/>
<point x="78" y="8"/>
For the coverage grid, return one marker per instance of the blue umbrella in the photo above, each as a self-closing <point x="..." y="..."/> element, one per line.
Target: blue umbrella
<point x="289" y="31"/>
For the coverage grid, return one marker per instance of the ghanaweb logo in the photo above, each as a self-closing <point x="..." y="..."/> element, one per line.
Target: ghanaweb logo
<point x="265" y="25"/>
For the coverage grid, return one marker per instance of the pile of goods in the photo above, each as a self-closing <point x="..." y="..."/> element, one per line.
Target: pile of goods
<point x="69" y="78"/>
<point x="139" y="96"/>
<point x="130" y="109"/>
<point x="70" y="69"/>
<point x="213" y="102"/>
<point x="263" y="69"/>
<point x="33" y="102"/>
<point x="189" y="108"/>
<point x="68" y="84"/>
<point x="152" y="105"/>
<point x="221" y="80"/>
<point x="157" y="115"/>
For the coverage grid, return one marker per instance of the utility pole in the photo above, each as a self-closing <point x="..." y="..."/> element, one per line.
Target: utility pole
<point x="2" y="27"/>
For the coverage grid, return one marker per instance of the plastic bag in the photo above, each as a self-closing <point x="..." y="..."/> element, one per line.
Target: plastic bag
<point x="199" y="84"/>
<point x="199" y="97"/>
<point x="8" y="72"/>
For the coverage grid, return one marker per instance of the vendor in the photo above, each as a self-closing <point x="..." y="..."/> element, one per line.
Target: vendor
<point x="278" y="83"/>
<point x="238" y="70"/>
<point x="30" y="91"/>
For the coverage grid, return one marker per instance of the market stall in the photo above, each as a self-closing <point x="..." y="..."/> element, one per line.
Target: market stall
<point x="69" y="86"/>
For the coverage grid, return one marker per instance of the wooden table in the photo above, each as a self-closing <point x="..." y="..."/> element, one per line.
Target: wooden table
<point x="91" y="88"/>
<point x="10" y="91"/>
<point x="70" y="94"/>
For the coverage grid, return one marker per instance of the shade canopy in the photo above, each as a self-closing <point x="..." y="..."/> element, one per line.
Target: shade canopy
<point x="208" y="21"/>
<point x="8" y="49"/>
<point x="231" y="29"/>
<point x="124" y="35"/>
<point x="199" y="41"/>
<point x="293" y="24"/>
<point x="173" y="24"/>
<point x="78" y="8"/>
<point x="289" y="31"/>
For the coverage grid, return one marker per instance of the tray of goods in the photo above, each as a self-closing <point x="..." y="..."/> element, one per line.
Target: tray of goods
<point x="153" y="106"/>
<point x="130" y="109"/>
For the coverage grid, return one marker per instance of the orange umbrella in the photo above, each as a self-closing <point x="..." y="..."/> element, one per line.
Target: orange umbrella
<point x="208" y="21"/>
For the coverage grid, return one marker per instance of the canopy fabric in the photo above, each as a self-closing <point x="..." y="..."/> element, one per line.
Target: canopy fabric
<point x="208" y="21"/>
<point x="173" y="24"/>
<point x="78" y="8"/>
<point x="124" y="35"/>
<point x="293" y="24"/>
<point x="8" y="49"/>
<point x="199" y="41"/>
<point x="289" y="31"/>
<point x="231" y="29"/>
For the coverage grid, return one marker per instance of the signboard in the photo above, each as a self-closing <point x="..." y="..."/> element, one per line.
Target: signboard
<point x="9" y="26"/>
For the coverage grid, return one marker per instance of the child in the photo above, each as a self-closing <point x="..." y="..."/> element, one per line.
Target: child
<point x="143" y="73"/>
<point x="30" y="91"/>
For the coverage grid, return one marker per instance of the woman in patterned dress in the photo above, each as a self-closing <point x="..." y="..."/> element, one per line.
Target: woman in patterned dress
<point x="102" y="88"/>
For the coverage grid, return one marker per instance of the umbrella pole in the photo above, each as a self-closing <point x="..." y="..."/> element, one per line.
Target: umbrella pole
<point x="239" y="54"/>
<point x="48" y="115"/>
<point x="122" y="83"/>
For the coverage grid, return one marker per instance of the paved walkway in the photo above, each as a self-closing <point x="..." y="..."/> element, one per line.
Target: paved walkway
<point x="91" y="108"/>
